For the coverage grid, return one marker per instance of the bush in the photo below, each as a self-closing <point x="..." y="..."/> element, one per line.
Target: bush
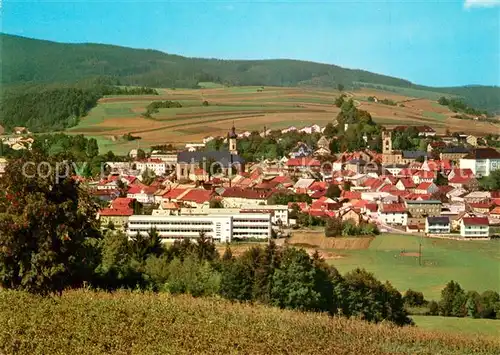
<point x="414" y="298"/>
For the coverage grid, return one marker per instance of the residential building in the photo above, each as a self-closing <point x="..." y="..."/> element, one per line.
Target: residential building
<point x="234" y="197"/>
<point x="453" y="153"/>
<point x="418" y="210"/>
<point x="437" y="225"/>
<point x="477" y="196"/>
<point x="143" y="194"/>
<point x="221" y="227"/>
<point x="393" y="213"/>
<point x="475" y="227"/>
<point x="481" y="161"/>
<point x="350" y="215"/>
<point x="159" y="167"/>
<point x="118" y="213"/>
<point x="426" y="188"/>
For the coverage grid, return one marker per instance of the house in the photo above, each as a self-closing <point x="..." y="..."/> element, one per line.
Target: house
<point x="157" y="166"/>
<point x="471" y="140"/>
<point x="322" y="151"/>
<point x="481" y="161"/>
<point x="424" y="176"/>
<point x="437" y="225"/>
<point x="304" y="164"/>
<point x="405" y="185"/>
<point x="481" y="207"/>
<point x="426" y="188"/>
<point x="418" y="210"/>
<point x="323" y="142"/>
<point x="475" y="227"/>
<point x="303" y="184"/>
<point x="301" y="150"/>
<point x="495" y="213"/>
<point x="351" y="215"/>
<point x="393" y="213"/>
<point x="117" y="214"/>
<point x="410" y="156"/>
<point x="196" y="198"/>
<point x="477" y="196"/>
<point x="143" y="194"/>
<point x="453" y="153"/>
<point x="234" y="197"/>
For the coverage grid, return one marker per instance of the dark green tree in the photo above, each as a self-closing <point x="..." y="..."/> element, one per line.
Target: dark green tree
<point x="92" y="148"/>
<point x="333" y="191"/>
<point x="48" y="229"/>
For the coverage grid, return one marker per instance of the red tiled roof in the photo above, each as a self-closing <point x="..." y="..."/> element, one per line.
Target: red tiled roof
<point x="457" y="179"/>
<point x="318" y="185"/>
<point x="307" y="161"/>
<point x="481" y="204"/>
<point x="174" y="193"/>
<point x="393" y="208"/>
<point x="122" y="201"/>
<point x="282" y="179"/>
<point x="495" y="211"/>
<point x="372" y="207"/>
<point x="426" y="174"/>
<point x="415" y="197"/>
<point x="318" y="194"/>
<point x="476" y="221"/>
<point x="424" y="186"/>
<point x="302" y="205"/>
<point x="116" y="212"/>
<point x="445" y="188"/>
<point x="351" y="195"/>
<point x="246" y="193"/>
<point x="137" y="189"/>
<point x="407" y="183"/>
<point x="387" y="188"/>
<point x="407" y="172"/>
<point x="197" y="195"/>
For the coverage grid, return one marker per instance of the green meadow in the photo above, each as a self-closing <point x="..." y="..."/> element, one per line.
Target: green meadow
<point x="473" y="264"/>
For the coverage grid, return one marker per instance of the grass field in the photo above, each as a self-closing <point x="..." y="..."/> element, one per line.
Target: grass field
<point x="251" y="108"/>
<point x="85" y="322"/>
<point x="474" y="264"/>
<point x="490" y="327"/>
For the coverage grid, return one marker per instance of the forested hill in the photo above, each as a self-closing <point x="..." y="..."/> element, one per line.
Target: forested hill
<point x="32" y="61"/>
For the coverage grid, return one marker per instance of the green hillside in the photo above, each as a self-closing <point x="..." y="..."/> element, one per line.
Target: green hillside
<point x="35" y="61"/>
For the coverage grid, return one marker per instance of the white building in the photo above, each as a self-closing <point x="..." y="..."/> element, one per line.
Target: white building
<point x="221" y="227"/>
<point x="393" y="213"/>
<point x="475" y="227"/>
<point x="279" y="213"/>
<point x="437" y="225"/>
<point x="482" y="161"/>
<point x="158" y="166"/>
<point x="167" y="157"/>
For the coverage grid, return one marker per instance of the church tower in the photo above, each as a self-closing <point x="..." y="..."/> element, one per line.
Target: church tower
<point x="232" y="136"/>
<point x="386" y="142"/>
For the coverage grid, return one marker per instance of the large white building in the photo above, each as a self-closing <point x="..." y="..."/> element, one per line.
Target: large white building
<point x="278" y="213"/>
<point x="482" y="161"/>
<point x="158" y="166"/>
<point x="221" y="227"/>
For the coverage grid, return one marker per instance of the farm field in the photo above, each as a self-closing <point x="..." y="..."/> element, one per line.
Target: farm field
<point x="86" y="322"/>
<point x="250" y="108"/>
<point x="473" y="264"/>
<point x="490" y="327"/>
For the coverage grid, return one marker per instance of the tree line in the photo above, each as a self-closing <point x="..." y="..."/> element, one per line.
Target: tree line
<point x="154" y="107"/>
<point x="54" y="108"/>
<point x="457" y="105"/>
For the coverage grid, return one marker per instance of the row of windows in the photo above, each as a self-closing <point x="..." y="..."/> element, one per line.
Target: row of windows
<point x="251" y="220"/>
<point x="252" y="227"/>
<point x="172" y="230"/>
<point x="172" y="223"/>
<point x="249" y="234"/>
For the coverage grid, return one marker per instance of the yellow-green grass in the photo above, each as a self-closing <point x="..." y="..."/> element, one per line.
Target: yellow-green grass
<point x="210" y="85"/>
<point x="489" y="327"/>
<point x="473" y="264"/>
<point x="435" y="115"/>
<point x="85" y="322"/>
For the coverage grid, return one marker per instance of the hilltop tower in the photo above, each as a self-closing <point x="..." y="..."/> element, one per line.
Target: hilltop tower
<point x="232" y="137"/>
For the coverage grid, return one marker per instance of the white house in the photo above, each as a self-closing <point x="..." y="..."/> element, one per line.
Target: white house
<point x="481" y="161"/>
<point x="142" y="194"/>
<point x="475" y="227"/>
<point x="437" y="225"/>
<point x="394" y="213"/>
<point x="158" y="166"/>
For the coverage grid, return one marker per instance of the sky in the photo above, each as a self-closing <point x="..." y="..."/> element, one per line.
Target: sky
<point x="436" y="43"/>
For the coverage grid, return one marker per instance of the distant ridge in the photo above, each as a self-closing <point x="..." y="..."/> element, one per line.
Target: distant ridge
<point x="33" y="61"/>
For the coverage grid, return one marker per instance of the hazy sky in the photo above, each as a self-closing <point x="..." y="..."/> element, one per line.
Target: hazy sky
<point x="439" y="43"/>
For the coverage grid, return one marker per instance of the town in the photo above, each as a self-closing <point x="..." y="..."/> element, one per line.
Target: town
<point x="435" y="192"/>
